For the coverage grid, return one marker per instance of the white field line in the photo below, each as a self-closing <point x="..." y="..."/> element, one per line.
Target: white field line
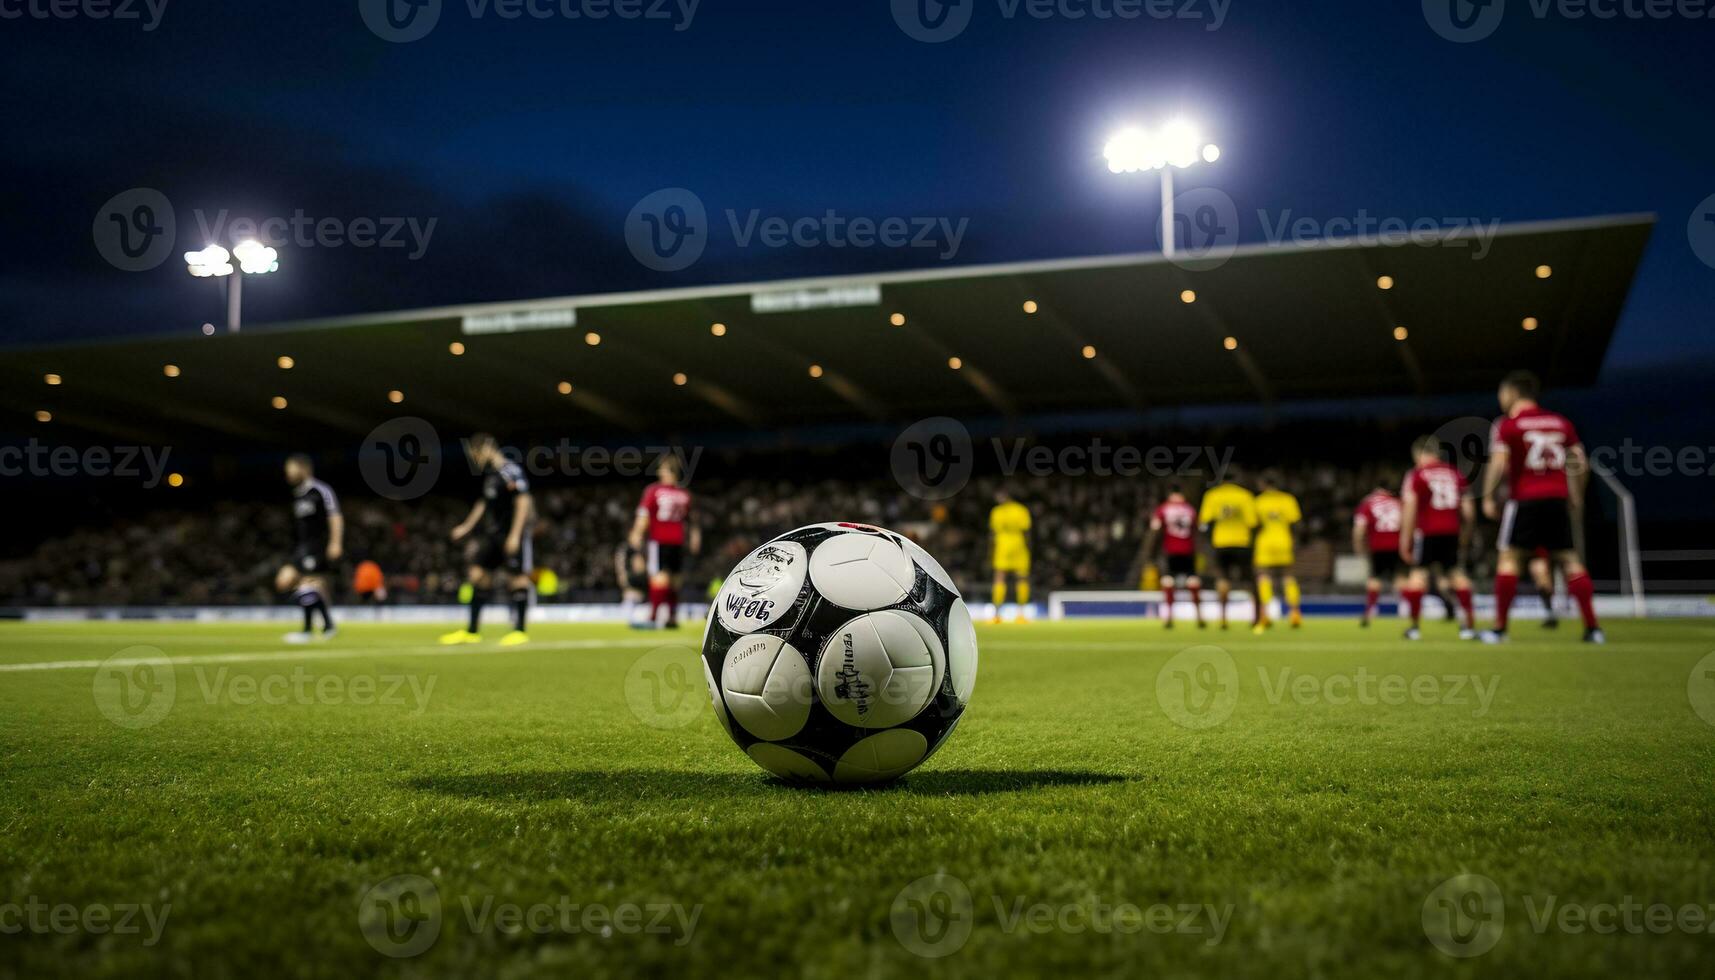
<point x="338" y="653"/>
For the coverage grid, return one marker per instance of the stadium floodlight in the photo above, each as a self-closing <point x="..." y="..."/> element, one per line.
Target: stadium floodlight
<point x="1178" y="144"/>
<point x="214" y="261"/>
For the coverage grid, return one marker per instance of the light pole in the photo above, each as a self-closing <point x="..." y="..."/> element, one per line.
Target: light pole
<point x="1177" y="144"/>
<point x="254" y="259"/>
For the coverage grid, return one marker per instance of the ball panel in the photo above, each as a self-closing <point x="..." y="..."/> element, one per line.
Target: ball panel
<point x="767" y="686"/>
<point x="928" y="563"/>
<point x="763" y="588"/>
<point x="861" y="571"/>
<point x="882" y="756"/>
<point x="785" y="763"/>
<point x="715" y="697"/>
<point x="878" y="670"/>
<point x="961" y="650"/>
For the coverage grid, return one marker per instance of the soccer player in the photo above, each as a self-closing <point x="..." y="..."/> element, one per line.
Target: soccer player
<point x="632" y="571"/>
<point x="1009" y="552"/>
<point x="1228" y="515"/>
<point x="1538" y="455"/>
<point x="505" y="513"/>
<point x="319" y="542"/>
<point x="1542" y="573"/>
<point x="1277" y="513"/>
<point x="663" y="518"/>
<point x="1375" y="531"/>
<point x="1437" y="513"/>
<point x="1174" y="524"/>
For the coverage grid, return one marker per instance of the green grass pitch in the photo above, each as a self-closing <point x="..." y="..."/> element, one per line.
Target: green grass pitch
<point x="1115" y="801"/>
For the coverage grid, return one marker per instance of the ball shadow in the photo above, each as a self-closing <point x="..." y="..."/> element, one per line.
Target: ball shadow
<point x="633" y="784"/>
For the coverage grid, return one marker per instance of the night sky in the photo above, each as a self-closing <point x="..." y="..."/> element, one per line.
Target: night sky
<point x="527" y="141"/>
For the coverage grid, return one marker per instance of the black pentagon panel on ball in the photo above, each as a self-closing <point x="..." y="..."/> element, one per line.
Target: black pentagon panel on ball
<point x="839" y="653"/>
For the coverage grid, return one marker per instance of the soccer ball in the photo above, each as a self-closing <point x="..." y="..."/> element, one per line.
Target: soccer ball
<point x="839" y="653"/>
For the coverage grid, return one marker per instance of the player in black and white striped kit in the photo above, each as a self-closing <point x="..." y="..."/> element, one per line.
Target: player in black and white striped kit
<point x="318" y="532"/>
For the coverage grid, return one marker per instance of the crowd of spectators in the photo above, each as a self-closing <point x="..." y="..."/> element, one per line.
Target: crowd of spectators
<point x="1087" y="532"/>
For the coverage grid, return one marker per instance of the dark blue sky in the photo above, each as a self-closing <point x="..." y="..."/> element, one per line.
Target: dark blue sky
<point x="528" y="141"/>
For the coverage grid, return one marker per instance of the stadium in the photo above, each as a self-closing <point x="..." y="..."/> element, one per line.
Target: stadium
<point x="649" y="592"/>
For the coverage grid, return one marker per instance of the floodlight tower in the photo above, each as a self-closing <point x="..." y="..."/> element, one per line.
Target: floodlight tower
<point x="254" y="259"/>
<point x="1177" y="144"/>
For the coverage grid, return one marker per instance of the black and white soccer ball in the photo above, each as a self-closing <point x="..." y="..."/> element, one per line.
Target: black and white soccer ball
<point x="839" y="653"/>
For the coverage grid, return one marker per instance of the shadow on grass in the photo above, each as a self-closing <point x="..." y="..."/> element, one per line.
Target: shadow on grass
<point x="624" y="784"/>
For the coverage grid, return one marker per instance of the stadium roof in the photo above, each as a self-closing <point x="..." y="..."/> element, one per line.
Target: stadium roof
<point x="1309" y="321"/>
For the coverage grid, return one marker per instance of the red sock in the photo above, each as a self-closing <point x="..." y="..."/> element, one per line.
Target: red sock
<point x="1371" y="597"/>
<point x="1167" y="590"/>
<point x="1197" y="601"/>
<point x="1414" y="600"/>
<point x="1470" y="607"/>
<point x="1581" y="589"/>
<point x="656" y="595"/>
<point x="1506" y="586"/>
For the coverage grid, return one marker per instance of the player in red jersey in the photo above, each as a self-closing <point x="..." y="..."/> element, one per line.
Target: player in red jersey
<point x="663" y="521"/>
<point x="1539" y="456"/>
<point x="1435" y="514"/>
<point x="1375" y="531"/>
<point x="1174" y="524"/>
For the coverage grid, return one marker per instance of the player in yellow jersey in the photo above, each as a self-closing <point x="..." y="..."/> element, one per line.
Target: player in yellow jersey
<point x="1228" y="515"/>
<point x="1277" y="514"/>
<point x="1009" y="532"/>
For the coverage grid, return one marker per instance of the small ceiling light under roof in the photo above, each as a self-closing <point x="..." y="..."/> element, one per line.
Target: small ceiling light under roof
<point x="815" y="370"/>
<point x="286" y="363"/>
<point x="1544" y="271"/>
<point x="1231" y="343"/>
<point x="955" y="363"/>
<point x="680" y="379"/>
<point x="170" y="370"/>
<point x="718" y="329"/>
<point x="1089" y="352"/>
<point x="1385" y="282"/>
<point x="1400" y="333"/>
<point x="564" y="387"/>
<point x="897" y="319"/>
<point x="395" y="396"/>
<point x="1188" y="296"/>
<point x="279" y="401"/>
<point x="1530" y="323"/>
<point x="456" y="349"/>
<point x="592" y="338"/>
<point x="1030" y="306"/>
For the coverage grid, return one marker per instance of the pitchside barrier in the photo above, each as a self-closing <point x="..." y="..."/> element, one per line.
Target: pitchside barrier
<point x="1147" y="605"/>
<point x="691" y="613"/>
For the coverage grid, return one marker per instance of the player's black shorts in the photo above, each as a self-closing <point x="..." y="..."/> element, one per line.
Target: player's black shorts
<point x="1232" y="563"/>
<point x="1531" y="524"/>
<point x="1181" y="566"/>
<point x="491" y="554"/>
<point x="669" y="558"/>
<point x="1385" y="564"/>
<point x="1432" y="550"/>
<point x="313" y="561"/>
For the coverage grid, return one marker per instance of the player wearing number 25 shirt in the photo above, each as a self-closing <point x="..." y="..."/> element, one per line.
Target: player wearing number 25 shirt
<point x="1539" y="456"/>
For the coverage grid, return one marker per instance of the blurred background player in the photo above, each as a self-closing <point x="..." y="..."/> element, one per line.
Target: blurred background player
<point x="1174" y="525"/>
<point x="1277" y="513"/>
<point x="1436" y="513"/>
<point x="505" y="512"/>
<point x="1538" y="455"/>
<point x="1228" y="516"/>
<point x="631" y="570"/>
<point x="1375" y="531"/>
<point x="319" y="542"/>
<point x="1009" y="531"/>
<point x="662" y="526"/>
<point x="1542" y="573"/>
